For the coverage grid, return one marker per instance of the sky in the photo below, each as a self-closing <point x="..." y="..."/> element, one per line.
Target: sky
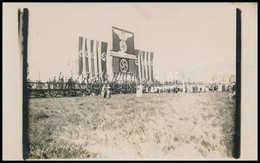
<point x="184" y="37"/>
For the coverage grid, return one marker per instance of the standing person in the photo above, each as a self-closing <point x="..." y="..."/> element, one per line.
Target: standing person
<point x="66" y="83"/>
<point x="62" y="82"/>
<point x="49" y="83"/>
<point x="104" y="91"/>
<point x="139" y="90"/>
<point x="54" y="82"/>
<point x="108" y="90"/>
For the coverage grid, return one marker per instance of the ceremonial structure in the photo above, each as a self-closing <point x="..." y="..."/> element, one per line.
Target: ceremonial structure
<point x="128" y="63"/>
<point x="129" y="67"/>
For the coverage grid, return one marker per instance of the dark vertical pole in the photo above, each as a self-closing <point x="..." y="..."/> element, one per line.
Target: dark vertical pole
<point x="24" y="35"/>
<point x="236" y="150"/>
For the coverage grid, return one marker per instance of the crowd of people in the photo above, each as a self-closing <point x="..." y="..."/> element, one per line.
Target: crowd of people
<point x="105" y="88"/>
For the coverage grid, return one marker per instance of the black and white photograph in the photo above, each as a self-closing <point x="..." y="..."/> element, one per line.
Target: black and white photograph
<point x="133" y="81"/>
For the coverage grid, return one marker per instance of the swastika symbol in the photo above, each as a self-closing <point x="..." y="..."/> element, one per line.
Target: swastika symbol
<point x="123" y="65"/>
<point x="103" y="56"/>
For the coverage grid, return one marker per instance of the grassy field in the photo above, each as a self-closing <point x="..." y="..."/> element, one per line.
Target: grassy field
<point x="156" y="126"/>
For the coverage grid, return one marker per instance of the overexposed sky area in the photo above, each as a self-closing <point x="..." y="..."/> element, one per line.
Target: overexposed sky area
<point x="184" y="37"/>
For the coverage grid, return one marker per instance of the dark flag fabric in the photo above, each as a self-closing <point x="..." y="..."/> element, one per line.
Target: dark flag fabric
<point x="92" y="57"/>
<point x="104" y="56"/>
<point x="80" y="55"/>
<point x="132" y="66"/>
<point x="151" y="62"/>
<point x="123" y="41"/>
<point x="136" y="63"/>
<point x="116" y="64"/>
<point x="86" y="56"/>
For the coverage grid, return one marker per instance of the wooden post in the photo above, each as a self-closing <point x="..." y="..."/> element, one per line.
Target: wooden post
<point x="236" y="140"/>
<point x="23" y="27"/>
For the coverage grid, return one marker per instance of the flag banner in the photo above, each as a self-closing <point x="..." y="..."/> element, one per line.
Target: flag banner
<point x="140" y="66"/>
<point x="123" y="41"/>
<point x="92" y="58"/>
<point x="86" y="56"/>
<point x="137" y="63"/>
<point x="80" y="56"/>
<point x="97" y="57"/>
<point x="132" y="66"/>
<point x="104" y="56"/>
<point x="144" y="65"/>
<point x="151" y="63"/>
<point x="147" y="66"/>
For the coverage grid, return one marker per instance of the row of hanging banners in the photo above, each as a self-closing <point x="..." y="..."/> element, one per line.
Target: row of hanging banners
<point x="126" y="60"/>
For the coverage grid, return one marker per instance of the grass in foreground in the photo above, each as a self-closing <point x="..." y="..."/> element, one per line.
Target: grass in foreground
<point x="156" y="126"/>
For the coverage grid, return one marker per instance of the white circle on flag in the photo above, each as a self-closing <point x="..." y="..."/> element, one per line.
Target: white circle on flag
<point x="123" y="65"/>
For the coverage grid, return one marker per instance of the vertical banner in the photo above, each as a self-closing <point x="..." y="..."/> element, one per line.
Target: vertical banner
<point x="86" y="56"/>
<point x="92" y="58"/>
<point x="80" y="56"/>
<point x="139" y="66"/>
<point x="142" y="65"/>
<point x="136" y="64"/>
<point x="151" y="64"/>
<point x="104" y="57"/>
<point x="147" y="66"/>
<point x="97" y="58"/>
